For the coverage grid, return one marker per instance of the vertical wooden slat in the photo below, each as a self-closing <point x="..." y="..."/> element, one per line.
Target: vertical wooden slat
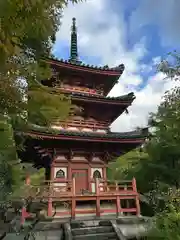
<point x="127" y="200"/>
<point x="69" y="172"/>
<point x="97" y="186"/>
<point x="52" y="172"/>
<point x="118" y="205"/>
<point x="105" y="179"/>
<point x="117" y="187"/>
<point x="138" y="212"/>
<point x="97" y="197"/>
<point x="73" y="186"/>
<point x="24" y="215"/>
<point x="89" y="178"/>
<point x="28" y="180"/>
<point x="73" y="203"/>
<point x="49" y="207"/>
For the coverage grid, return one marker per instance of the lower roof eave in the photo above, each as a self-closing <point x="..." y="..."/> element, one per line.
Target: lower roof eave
<point x="105" y="138"/>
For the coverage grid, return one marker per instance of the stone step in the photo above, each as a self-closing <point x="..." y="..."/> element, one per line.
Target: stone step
<point x="92" y="230"/>
<point x="98" y="236"/>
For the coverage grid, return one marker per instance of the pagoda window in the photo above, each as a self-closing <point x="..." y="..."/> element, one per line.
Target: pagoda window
<point x="60" y="174"/>
<point x="96" y="174"/>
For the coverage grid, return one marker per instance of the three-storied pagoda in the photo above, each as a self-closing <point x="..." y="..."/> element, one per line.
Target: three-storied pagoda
<point x="76" y="152"/>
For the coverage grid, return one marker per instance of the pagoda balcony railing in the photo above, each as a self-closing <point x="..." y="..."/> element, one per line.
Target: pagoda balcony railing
<point x="102" y="187"/>
<point x="80" y="124"/>
<point x="80" y="90"/>
<point x="116" y="191"/>
<point x="107" y="186"/>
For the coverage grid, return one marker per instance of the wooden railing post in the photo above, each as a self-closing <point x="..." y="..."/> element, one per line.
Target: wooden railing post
<point x="118" y="201"/>
<point x="50" y="207"/>
<point x="73" y="186"/>
<point x="118" y="205"/>
<point x="97" y="197"/>
<point x="49" y="212"/>
<point x="73" y="205"/>
<point x="27" y="180"/>
<point x="138" y="211"/>
<point x="24" y="215"/>
<point x="117" y="187"/>
<point x="97" y="186"/>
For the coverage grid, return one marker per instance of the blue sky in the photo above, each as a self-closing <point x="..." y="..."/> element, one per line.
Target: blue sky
<point x="138" y="33"/>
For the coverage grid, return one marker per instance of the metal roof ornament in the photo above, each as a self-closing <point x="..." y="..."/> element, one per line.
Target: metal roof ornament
<point x="74" y="47"/>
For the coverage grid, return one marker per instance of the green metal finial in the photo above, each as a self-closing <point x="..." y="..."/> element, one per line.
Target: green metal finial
<point x="74" y="51"/>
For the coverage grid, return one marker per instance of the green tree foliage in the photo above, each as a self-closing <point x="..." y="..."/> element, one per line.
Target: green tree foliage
<point x="10" y="172"/>
<point x="171" y="66"/>
<point x="158" y="169"/>
<point x="162" y="159"/>
<point x="166" y="224"/>
<point x="164" y="148"/>
<point x="126" y="166"/>
<point x="27" y="34"/>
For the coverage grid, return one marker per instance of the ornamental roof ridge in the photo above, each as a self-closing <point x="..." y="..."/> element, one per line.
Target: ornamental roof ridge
<point x="119" y="68"/>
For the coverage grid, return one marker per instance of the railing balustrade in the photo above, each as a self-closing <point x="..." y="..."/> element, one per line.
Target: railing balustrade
<point x="80" y="90"/>
<point x="65" y="187"/>
<point x="83" y="124"/>
<point x="104" y="190"/>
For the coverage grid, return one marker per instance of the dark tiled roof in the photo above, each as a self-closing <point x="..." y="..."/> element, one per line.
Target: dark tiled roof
<point x="125" y="98"/>
<point x="138" y="134"/>
<point x="119" y="69"/>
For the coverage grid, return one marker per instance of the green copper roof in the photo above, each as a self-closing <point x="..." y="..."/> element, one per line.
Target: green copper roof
<point x="74" y="48"/>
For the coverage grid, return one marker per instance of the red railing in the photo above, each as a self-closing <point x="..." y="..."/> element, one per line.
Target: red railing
<point x="80" y="90"/>
<point x="104" y="190"/>
<point x="83" y="124"/>
<point x="107" y="186"/>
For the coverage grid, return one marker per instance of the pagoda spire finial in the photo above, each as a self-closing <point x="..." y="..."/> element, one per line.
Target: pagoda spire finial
<point x="74" y="50"/>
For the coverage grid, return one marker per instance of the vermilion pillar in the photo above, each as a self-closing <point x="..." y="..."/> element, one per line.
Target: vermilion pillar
<point x="27" y="180"/>
<point x="49" y="212"/>
<point x="138" y="212"/>
<point x="50" y="204"/>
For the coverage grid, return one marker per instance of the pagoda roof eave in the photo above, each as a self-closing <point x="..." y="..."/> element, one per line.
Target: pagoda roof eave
<point x="137" y="137"/>
<point x="121" y="100"/>
<point x="119" y="104"/>
<point x="79" y="66"/>
<point x="126" y="99"/>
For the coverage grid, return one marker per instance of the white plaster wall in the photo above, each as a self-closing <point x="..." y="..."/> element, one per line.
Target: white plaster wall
<point x="56" y="169"/>
<point x="93" y="184"/>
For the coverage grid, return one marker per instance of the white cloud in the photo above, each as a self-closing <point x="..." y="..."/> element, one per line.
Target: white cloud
<point x="156" y="60"/>
<point x="146" y="101"/>
<point x="103" y="34"/>
<point x="164" y="14"/>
